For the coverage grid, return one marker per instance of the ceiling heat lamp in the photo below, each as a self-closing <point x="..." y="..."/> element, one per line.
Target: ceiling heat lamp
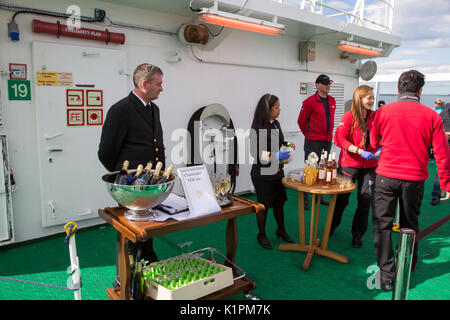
<point x="231" y="20"/>
<point x="359" y="48"/>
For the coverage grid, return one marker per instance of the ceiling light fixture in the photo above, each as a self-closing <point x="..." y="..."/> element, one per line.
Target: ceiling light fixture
<point x="236" y="21"/>
<point x="359" y="48"/>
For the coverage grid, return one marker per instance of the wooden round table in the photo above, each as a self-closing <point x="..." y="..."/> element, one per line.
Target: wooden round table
<point x="317" y="190"/>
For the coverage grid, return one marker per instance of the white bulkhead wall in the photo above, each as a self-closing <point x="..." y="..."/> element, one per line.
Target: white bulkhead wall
<point x="242" y="68"/>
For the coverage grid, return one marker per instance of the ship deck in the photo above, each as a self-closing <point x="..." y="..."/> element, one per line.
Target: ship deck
<point x="278" y="274"/>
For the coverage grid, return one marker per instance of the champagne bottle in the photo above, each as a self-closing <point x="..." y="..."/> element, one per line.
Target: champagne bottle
<point x="122" y="176"/>
<point x="329" y="173"/>
<point x="144" y="175"/>
<point x="156" y="174"/>
<point x="166" y="175"/>
<point x="138" y="173"/>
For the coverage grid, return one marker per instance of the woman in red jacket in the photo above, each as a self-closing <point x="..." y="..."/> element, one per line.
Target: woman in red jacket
<point x="356" y="160"/>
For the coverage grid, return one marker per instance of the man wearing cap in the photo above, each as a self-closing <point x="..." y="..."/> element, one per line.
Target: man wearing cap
<point x="316" y="121"/>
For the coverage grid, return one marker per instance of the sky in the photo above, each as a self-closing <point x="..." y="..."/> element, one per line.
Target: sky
<point x="424" y="29"/>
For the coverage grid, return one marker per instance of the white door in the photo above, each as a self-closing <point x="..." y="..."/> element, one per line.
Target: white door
<point x="70" y="110"/>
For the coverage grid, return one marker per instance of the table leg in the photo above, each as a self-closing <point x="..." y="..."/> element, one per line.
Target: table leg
<point x="314" y="243"/>
<point x="326" y="232"/>
<point x="231" y="237"/>
<point x="312" y="240"/>
<point x="301" y="229"/>
<point x="123" y="266"/>
<point x="316" y="226"/>
<point x="301" y="218"/>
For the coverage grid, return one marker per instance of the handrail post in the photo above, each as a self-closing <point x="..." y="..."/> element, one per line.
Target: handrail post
<point x="404" y="262"/>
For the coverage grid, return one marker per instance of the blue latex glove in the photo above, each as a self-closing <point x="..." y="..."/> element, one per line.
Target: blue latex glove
<point x="377" y="153"/>
<point x="282" y="155"/>
<point x="367" y="155"/>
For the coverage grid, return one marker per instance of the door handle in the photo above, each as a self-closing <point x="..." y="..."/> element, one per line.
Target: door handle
<point x="55" y="150"/>
<point x="51" y="205"/>
<point x="48" y="137"/>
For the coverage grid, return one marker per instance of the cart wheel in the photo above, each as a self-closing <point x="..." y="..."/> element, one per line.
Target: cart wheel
<point x="249" y="296"/>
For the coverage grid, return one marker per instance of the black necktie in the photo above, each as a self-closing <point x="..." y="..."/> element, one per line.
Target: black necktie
<point x="149" y="110"/>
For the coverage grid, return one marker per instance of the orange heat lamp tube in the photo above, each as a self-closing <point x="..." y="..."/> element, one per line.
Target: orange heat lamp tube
<point x="360" y="50"/>
<point x="239" y="24"/>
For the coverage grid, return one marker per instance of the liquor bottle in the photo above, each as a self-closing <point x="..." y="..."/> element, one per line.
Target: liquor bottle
<point x="142" y="176"/>
<point x="156" y="174"/>
<point x="329" y="173"/>
<point x="122" y="176"/>
<point x="166" y="175"/>
<point x="334" y="165"/>
<point x="322" y="167"/>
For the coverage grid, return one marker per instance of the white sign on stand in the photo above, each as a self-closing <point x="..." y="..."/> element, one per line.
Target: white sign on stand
<point x="198" y="190"/>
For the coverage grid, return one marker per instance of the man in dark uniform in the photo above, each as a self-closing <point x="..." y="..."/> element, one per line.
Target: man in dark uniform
<point x="316" y="121"/>
<point x="132" y="131"/>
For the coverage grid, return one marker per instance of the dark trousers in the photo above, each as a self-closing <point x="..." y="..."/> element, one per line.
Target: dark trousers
<point x="436" y="193"/>
<point x="316" y="147"/>
<point x="365" y="179"/>
<point x="386" y="193"/>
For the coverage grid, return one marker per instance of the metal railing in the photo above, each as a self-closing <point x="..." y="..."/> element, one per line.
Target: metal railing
<point x="372" y="14"/>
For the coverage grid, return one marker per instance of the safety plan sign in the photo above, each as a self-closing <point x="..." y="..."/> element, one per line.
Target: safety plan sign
<point x="84" y="107"/>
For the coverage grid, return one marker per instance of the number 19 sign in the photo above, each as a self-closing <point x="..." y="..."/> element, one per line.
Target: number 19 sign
<point x="19" y="90"/>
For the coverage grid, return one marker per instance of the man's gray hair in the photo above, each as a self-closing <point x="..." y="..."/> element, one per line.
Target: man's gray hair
<point x="145" y="71"/>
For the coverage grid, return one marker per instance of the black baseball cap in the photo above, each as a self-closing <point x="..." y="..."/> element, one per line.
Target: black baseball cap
<point x="324" y="79"/>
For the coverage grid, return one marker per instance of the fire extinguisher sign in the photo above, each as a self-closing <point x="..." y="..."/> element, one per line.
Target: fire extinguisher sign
<point x="84" y="107"/>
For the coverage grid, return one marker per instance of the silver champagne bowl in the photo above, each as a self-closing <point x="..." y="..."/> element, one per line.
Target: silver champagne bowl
<point x="138" y="199"/>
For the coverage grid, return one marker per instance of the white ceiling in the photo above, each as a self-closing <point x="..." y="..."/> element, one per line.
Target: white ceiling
<point x="300" y="24"/>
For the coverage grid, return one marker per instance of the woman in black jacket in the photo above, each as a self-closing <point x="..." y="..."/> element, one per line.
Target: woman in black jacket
<point x="267" y="172"/>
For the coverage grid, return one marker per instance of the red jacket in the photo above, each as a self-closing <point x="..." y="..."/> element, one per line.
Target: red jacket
<point x="312" y="121"/>
<point x="344" y="137"/>
<point x="405" y="130"/>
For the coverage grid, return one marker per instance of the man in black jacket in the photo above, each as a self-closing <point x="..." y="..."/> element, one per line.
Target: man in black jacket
<point x="132" y="131"/>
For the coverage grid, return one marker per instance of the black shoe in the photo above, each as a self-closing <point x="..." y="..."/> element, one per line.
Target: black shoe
<point x="435" y="201"/>
<point x="324" y="202"/>
<point x="387" y="285"/>
<point x="285" y="236"/>
<point x="264" y="242"/>
<point x="356" y="241"/>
